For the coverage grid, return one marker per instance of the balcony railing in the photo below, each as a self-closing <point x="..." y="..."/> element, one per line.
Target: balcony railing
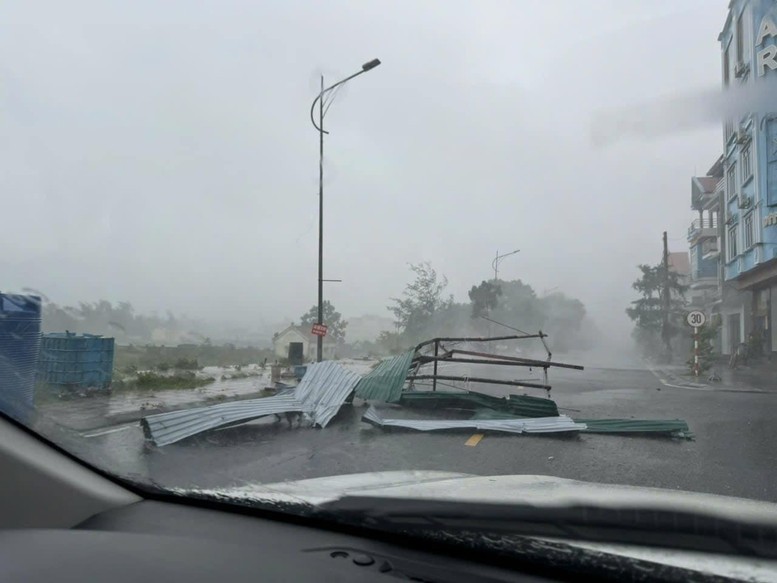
<point x="705" y="227"/>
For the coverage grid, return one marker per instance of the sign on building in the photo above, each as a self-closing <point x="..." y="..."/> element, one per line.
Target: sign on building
<point x="766" y="57"/>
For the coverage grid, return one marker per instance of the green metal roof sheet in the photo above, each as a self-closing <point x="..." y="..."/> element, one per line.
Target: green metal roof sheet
<point x="675" y="427"/>
<point x="514" y="405"/>
<point x="385" y="382"/>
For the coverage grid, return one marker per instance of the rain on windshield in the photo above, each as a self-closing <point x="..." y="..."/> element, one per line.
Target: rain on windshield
<point x="255" y="243"/>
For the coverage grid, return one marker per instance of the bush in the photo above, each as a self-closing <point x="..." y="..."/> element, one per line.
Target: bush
<point x="187" y="364"/>
<point x="150" y="381"/>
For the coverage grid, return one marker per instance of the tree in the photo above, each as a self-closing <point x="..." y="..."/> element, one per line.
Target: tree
<point x="564" y="318"/>
<point x="519" y="306"/>
<point x="423" y="297"/>
<point x="648" y="311"/>
<point x="332" y="318"/>
<point x="390" y="342"/>
<point x="484" y="297"/>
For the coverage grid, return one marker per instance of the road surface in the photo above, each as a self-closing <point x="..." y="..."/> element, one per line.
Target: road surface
<point x="733" y="453"/>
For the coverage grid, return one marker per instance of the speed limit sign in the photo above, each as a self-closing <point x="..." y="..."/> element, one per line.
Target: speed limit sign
<point x="696" y="319"/>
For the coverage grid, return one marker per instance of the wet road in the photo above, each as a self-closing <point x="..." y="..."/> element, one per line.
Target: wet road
<point x="733" y="453"/>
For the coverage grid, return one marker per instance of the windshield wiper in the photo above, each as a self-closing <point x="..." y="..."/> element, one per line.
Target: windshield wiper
<point x="653" y="527"/>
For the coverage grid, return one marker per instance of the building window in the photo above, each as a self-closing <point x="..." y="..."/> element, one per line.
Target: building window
<point x="726" y="72"/>
<point x="740" y="39"/>
<point x="731" y="182"/>
<point x="731" y="244"/>
<point x="747" y="164"/>
<point x="747" y="226"/>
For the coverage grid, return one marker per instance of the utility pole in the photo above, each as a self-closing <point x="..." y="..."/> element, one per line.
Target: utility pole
<point x="666" y="303"/>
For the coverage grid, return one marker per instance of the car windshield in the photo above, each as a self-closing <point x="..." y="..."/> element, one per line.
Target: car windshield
<point x="323" y="248"/>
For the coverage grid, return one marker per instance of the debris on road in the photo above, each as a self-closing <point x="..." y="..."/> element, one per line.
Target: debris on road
<point x="326" y="386"/>
<point x="323" y="390"/>
<point x="166" y="428"/>
<point x="447" y="350"/>
<point x="561" y="423"/>
<point x="658" y="427"/>
<point x="670" y="427"/>
<point x="517" y="405"/>
<point x="385" y="382"/>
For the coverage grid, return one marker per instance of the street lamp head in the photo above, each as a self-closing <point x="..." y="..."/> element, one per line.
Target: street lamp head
<point x="370" y="65"/>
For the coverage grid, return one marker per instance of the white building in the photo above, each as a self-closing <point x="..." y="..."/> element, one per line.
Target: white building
<point x="297" y="338"/>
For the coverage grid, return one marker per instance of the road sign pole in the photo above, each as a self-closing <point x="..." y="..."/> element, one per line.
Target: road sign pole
<point x="696" y="320"/>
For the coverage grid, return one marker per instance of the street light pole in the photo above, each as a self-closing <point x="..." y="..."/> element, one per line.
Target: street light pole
<point x="320" y="317"/>
<point x="497" y="259"/>
<point x="320" y="127"/>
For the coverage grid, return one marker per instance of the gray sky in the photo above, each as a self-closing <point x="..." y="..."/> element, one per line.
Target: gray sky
<point x="161" y="152"/>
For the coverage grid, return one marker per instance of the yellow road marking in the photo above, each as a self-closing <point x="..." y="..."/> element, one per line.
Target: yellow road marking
<point x="474" y="440"/>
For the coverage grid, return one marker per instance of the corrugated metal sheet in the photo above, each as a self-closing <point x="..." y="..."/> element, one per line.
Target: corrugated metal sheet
<point x="167" y="428"/>
<point x="322" y="392"/>
<point x="537" y="425"/>
<point x="386" y="381"/>
<point x="516" y="405"/>
<point x="324" y="389"/>
<point x="672" y="427"/>
<point x="528" y="406"/>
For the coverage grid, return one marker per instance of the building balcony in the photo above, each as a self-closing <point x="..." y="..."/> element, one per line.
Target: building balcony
<point x="703" y="228"/>
<point x="709" y="248"/>
<point x="703" y="299"/>
<point x="710" y="201"/>
<point x="705" y="193"/>
<point x="703" y="282"/>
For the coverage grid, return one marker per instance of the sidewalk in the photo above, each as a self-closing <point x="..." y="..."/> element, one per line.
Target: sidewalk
<point x="758" y="377"/>
<point x="761" y="375"/>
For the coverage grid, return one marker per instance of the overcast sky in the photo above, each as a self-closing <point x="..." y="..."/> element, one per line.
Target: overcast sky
<point x="161" y="152"/>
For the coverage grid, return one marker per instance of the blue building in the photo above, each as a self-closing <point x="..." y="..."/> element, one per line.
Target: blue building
<point x="747" y="234"/>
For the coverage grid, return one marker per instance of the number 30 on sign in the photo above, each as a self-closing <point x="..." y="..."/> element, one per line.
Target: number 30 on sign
<point x="696" y="319"/>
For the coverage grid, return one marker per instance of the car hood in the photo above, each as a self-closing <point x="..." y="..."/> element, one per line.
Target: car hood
<point x="535" y="490"/>
<point x="540" y="491"/>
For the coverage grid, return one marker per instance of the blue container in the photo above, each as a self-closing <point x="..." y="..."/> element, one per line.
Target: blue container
<point x="69" y="361"/>
<point x="19" y="348"/>
<point x="299" y="371"/>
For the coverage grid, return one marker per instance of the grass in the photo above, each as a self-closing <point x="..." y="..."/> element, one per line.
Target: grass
<point x="150" y="381"/>
<point x="187" y="356"/>
<point x="240" y="375"/>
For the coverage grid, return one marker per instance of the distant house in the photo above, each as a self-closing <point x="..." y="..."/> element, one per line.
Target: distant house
<point x="680" y="264"/>
<point x="296" y="339"/>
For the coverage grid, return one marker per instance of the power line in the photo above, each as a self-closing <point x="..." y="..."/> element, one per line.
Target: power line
<point x="505" y="325"/>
